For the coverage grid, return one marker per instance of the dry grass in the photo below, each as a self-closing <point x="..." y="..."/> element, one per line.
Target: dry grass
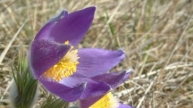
<point x="155" y="34"/>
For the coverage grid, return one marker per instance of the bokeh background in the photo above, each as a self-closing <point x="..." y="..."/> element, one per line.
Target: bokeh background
<point x="156" y="35"/>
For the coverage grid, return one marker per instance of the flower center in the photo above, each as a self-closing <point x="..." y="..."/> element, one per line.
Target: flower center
<point x="107" y="101"/>
<point x="65" y="67"/>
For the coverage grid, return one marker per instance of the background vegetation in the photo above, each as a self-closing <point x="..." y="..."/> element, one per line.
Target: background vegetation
<point x="155" y="34"/>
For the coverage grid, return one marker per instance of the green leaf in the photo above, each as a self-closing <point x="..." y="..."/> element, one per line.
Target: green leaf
<point x="53" y="102"/>
<point x="23" y="91"/>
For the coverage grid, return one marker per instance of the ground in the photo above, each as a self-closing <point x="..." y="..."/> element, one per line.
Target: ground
<point x="156" y="36"/>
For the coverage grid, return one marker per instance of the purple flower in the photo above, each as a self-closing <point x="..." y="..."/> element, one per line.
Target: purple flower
<point x="105" y="101"/>
<point x="68" y="72"/>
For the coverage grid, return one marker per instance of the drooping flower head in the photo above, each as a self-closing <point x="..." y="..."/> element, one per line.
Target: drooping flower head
<point x="68" y="72"/>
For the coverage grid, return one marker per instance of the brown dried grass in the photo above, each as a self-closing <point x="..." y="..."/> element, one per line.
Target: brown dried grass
<point x="155" y="34"/>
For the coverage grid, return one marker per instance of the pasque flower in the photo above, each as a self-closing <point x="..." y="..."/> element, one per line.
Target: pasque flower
<point x="68" y="72"/>
<point x="105" y="101"/>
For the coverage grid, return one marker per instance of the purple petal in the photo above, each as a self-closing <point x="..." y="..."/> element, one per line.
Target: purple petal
<point x="94" y="62"/>
<point x="95" y="89"/>
<point x="66" y="93"/>
<point x="113" y="78"/>
<point x="74" y="81"/>
<point x="73" y="27"/>
<point x="124" y="106"/>
<point x="45" y="54"/>
<point x="44" y="33"/>
<point x="86" y="103"/>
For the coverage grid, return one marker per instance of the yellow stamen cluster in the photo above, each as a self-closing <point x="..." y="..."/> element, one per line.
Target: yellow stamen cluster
<point x="65" y="67"/>
<point x="107" y="101"/>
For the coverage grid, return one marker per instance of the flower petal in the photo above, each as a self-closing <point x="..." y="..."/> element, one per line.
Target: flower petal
<point x="44" y="54"/>
<point x="64" y="92"/>
<point x="74" y="81"/>
<point x="44" y="33"/>
<point x="113" y="78"/>
<point x="124" y="106"/>
<point x="95" y="89"/>
<point x="73" y="27"/>
<point x="85" y="103"/>
<point x="94" y="62"/>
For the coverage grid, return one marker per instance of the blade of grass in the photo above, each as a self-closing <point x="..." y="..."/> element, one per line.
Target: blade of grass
<point x="10" y="43"/>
